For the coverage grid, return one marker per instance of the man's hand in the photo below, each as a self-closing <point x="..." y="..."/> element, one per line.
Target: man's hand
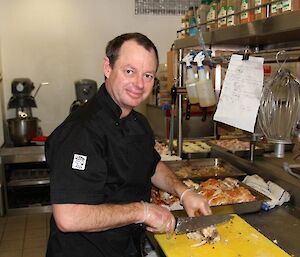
<point x="194" y="204"/>
<point x="159" y="219"/>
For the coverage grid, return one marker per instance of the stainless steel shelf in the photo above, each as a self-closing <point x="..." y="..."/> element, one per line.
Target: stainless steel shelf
<point x="22" y="154"/>
<point x="29" y="182"/>
<point x="29" y="210"/>
<point x="277" y="29"/>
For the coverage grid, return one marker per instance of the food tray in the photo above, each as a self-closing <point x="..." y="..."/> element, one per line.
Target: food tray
<point x="194" y="148"/>
<point x="215" y="168"/>
<point x="237" y="208"/>
<point x="241" y="153"/>
<point x="242" y="208"/>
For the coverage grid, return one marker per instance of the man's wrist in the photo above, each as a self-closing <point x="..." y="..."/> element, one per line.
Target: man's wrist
<point x="183" y="194"/>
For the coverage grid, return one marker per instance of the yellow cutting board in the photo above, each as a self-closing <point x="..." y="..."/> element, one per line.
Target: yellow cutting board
<point x="238" y="239"/>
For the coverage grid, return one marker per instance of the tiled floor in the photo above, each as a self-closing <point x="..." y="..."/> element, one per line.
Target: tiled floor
<point x="24" y="236"/>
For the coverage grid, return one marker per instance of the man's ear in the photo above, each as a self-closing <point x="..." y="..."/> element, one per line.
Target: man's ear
<point x="106" y="67"/>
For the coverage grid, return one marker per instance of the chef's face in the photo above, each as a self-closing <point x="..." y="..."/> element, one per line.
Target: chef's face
<point x="131" y="79"/>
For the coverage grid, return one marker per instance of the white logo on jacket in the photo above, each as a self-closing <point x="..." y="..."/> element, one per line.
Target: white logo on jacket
<point x="79" y="162"/>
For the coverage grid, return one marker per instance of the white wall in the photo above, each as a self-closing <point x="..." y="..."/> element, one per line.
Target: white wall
<point x="60" y="41"/>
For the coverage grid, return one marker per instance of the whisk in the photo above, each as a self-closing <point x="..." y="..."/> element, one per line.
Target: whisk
<point x="278" y="108"/>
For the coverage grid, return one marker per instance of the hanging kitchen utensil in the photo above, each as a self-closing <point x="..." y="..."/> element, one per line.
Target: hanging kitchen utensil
<point x="173" y="104"/>
<point x="279" y="107"/>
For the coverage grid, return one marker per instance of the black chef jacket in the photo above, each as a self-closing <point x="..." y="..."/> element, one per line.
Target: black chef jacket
<point x="95" y="157"/>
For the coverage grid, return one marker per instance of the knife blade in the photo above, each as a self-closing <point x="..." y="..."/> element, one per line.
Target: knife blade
<point x="190" y="224"/>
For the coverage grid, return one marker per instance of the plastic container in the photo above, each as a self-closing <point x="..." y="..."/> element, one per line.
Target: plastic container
<point x="183" y="33"/>
<point x="222" y="11"/>
<point x="247" y="16"/>
<point x="191" y="89"/>
<point x="232" y="8"/>
<point x="260" y="12"/>
<point x="190" y="83"/>
<point x="205" y="90"/>
<point x="212" y="14"/>
<point x="202" y="12"/>
<point x="290" y="5"/>
<point x="275" y="9"/>
<point x="192" y="21"/>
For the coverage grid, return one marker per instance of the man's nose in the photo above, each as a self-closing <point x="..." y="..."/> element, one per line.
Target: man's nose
<point x="139" y="81"/>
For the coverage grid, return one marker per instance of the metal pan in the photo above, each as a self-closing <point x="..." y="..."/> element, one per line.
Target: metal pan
<point x="202" y="169"/>
<point x="237" y="208"/>
<point x="242" y="208"/>
<point x="259" y="151"/>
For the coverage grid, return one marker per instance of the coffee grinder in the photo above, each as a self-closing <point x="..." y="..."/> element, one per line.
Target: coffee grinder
<point x="85" y="89"/>
<point x="23" y="127"/>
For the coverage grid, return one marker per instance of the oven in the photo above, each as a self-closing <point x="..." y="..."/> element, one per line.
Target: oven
<point x="25" y="180"/>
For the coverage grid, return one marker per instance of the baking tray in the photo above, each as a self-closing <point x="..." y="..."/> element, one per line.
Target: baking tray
<point x="195" y="154"/>
<point x="259" y="151"/>
<point x="242" y="208"/>
<point x="237" y="208"/>
<point x="215" y="166"/>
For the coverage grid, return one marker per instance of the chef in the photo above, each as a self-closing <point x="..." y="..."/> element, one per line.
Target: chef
<point x="103" y="163"/>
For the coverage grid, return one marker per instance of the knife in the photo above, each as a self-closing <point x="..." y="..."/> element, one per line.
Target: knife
<point x="191" y="224"/>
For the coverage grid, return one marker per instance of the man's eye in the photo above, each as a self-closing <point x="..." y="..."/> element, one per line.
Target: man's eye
<point x="129" y="71"/>
<point x="149" y="76"/>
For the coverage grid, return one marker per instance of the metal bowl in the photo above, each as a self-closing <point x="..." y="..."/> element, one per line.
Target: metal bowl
<point x="21" y="131"/>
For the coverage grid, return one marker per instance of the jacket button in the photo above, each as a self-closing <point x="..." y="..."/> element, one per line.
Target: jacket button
<point x="117" y="123"/>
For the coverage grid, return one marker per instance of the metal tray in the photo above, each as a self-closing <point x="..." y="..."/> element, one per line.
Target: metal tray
<point x="242" y="208"/>
<point x="213" y="163"/>
<point x="196" y="154"/>
<point x="237" y="208"/>
<point x="259" y="151"/>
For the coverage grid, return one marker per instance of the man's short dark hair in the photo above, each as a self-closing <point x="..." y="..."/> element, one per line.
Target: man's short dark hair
<point x="113" y="46"/>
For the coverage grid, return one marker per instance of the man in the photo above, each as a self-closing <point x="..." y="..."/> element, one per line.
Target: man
<point x="102" y="164"/>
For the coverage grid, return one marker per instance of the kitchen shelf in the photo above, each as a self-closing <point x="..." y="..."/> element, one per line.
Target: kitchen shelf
<point x="276" y="29"/>
<point x="29" y="182"/>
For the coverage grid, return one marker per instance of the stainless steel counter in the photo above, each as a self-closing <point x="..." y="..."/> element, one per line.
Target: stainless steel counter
<point x="281" y="224"/>
<point x="22" y="154"/>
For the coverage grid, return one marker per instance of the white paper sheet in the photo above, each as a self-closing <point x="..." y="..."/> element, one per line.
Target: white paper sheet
<point x="240" y="96"/>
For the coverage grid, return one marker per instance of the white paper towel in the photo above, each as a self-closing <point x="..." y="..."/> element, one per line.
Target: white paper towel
<point x="276" y="193"/>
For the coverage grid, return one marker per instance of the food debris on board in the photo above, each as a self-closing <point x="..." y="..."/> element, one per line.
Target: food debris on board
<point x="207" y="235"/>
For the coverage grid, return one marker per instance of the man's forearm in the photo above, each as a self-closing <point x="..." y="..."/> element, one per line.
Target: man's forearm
<point x="166" y="180"/>
<point x="92" y="218"/>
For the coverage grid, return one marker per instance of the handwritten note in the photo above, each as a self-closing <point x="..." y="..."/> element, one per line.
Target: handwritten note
<point x="241" y="92"/>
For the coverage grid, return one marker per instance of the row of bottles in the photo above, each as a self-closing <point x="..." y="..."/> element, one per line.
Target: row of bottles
<point x="237" y="12"/>
<point x="199" y="88"/>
